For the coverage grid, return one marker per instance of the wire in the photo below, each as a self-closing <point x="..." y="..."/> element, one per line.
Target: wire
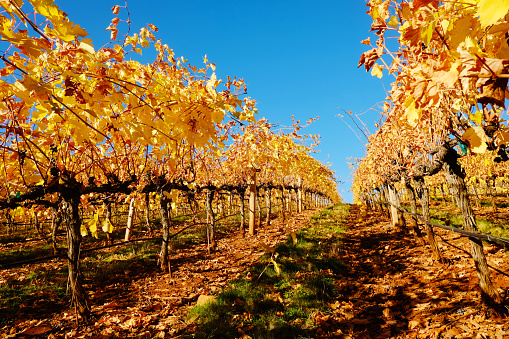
<point x="486" y="237"/>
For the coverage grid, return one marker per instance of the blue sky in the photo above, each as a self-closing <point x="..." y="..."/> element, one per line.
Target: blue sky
<point x="297" y="57"/>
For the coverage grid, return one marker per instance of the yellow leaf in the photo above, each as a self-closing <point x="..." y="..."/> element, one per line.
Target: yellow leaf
<point x="276" y="267"/>
<point x="490" y="11"/>
<point x="374" y="12"/>
<point x="294" y="237"/>
<point x="377" y="71"/>
<point x="40" y="113"/>
<point x="459" y="30"/>
<point x="412" y="114"/>
<point x="83" y="230"/>
<point x="476" y="139"/>
<point x="107" y="226"/>
<point x="393" y="22"/>
<point x="448" y="78"/>
<point x="92" y="224"/>
<point x="217" y="116"/>
<point x="476" y="117"/>
<point x="86" y="47"/>
<point x="446" y="25"/>
<point x="427" y="32"/>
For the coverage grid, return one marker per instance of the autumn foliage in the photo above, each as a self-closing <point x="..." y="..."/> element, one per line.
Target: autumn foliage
<point x="447" y="99"/>
<point x="81" y="123"/>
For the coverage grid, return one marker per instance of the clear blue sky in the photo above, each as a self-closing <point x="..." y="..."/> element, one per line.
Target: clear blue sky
<point x="297" y="57"/>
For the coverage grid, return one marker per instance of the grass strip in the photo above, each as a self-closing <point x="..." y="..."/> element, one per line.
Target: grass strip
<point x="280" y="296"/>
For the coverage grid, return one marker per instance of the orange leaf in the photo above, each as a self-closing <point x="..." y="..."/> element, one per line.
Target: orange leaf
<point x="366" y="41"/>
<point x="114" y="22"/>
<point x="421" y="3"/>
<point x="37" y="330"/>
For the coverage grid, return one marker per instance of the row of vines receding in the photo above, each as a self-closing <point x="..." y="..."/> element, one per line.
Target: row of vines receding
<point x="90" y="135"/>
<point x="443" y="126"/>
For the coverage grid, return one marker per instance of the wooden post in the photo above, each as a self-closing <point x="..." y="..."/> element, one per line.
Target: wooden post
<point x="299" y="196"/>
<point x="130" y="218"/>
<point x="258" y="211"/>
<point x="283" y="216"/>
<point x="211" y="244"/>
<point x="252" y="201"/>
<point x="164" y="211"/>
<point x="397" y="217"/>
<point x="230" y="202"/>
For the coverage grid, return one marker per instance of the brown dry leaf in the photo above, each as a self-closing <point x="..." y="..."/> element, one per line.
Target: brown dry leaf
<point x="266" y="248"/>
<point x="361" y="321"/>
<point x="37" y="330"/>
<point x="415" y="322"/>
<point x="294" y="237"/>
<point x="388" y="313"/>
<point x="454" y="331"/>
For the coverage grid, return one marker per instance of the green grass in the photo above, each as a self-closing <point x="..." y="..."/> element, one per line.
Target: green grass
<point x="443" y="217"/>
<point x="264" y="304"/>
<point x="102" y="266"/>
<point x="497" y="228"/>
<point x="490" y="227"/>
<point x="29" y="290"/>
<point x="26" y="253"/>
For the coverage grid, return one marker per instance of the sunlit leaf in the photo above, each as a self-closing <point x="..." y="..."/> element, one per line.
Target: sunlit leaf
<point x="476" y="139"/>
<point x="377" y="71"/>
<point x="490" y="11"/>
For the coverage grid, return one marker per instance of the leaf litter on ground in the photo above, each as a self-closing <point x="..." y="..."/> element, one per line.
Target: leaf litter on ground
<point x="389" y="287"/>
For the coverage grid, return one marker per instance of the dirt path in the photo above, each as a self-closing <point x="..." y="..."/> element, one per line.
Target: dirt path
<point x="393" y="288"/>
<point x="141" y="301"/>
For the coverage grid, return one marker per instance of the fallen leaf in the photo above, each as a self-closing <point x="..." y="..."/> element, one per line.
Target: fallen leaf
<point x="37" y="330"/>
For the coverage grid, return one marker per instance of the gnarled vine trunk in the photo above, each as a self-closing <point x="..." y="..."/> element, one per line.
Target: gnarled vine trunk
<point x="211" y="243"/>
<point x="423" y="194"/>
<point x="455" y="177"/>
<point x="164" y="208"/>
<point x="70" y="209"/>
<point x="269" y="206"/>
<point x="56" y="220"/>
<point x="413" y="208"/>
<point x="147" y="212"/>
